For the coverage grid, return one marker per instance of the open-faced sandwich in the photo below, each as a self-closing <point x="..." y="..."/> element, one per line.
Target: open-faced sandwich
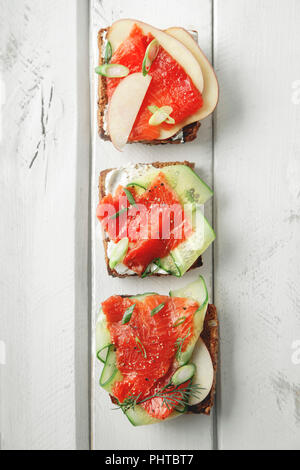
<point x="159" y="353"/>
<point x="154" y="86"/>
<point x="152" y="219"/>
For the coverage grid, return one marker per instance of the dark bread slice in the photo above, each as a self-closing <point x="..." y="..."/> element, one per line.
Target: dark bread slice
<point x="210" y="336"/>
<point x="102" y="178"/>
<point x="189" y="132"/>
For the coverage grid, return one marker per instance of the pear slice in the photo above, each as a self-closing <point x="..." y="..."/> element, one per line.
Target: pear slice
<point x="204" y="375"/>
<point x="211" y="87"/>
<point x="124" y="107"/>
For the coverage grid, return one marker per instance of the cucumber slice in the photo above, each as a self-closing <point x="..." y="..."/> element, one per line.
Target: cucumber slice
<point x="189" y="187"/>
<point x="185" y="254"/>
<point x="118" y="253"/>
<point x="183" y="374"/>
<point x="138" y="416"/>
<point x="197" y="290"/>
<point x="168" y="265"/>
<point x="110" y="373"/>
<point x="102" y="353"/>
<point x="141" y="297"/>
<point x="103" y="339"/>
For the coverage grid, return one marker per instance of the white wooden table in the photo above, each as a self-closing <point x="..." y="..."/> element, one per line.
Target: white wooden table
<point x="53" y="276"/>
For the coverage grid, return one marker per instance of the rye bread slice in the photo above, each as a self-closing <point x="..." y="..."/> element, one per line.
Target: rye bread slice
<point x="106" y="239"/>
<point x="187" y="133"/>
<point x="210" y="336"/>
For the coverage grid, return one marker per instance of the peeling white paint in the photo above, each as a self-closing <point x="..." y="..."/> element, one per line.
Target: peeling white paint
<point x="296" y="354"/>
<point x="2" y="102"/>
<point x="296" y="92"/>
<point x="2" y="353"/>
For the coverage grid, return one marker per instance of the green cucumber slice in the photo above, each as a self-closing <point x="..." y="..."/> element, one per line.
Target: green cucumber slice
<point x="189" y="187"/>
<point x="102" y="353"/>
<point x="168" y="265"/>
<point x="185" y="254"/>
<point x="183" y="374"/>
<point x="103" y="339"/>
<point x="110" y="373"/>
<point x="196" y="290"/>
<point x="118" y="253"/>
<point x="141" y="297"/>
<point x="138" y="416"/>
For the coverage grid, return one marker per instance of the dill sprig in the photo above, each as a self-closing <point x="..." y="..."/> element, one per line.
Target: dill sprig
<point x="172" y="396"/>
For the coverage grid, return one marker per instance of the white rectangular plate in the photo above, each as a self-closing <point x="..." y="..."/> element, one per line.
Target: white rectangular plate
<point x="110" y="429"/>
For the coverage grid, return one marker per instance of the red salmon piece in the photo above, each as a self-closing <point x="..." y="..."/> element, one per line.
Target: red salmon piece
<point x="154" y="226"/>
<point x="146" y="346"/>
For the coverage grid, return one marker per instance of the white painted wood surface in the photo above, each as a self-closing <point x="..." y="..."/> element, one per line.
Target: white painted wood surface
<point x="44" y="185"/>
<point x="110" y="429"/>
<point x="257" y="217"/>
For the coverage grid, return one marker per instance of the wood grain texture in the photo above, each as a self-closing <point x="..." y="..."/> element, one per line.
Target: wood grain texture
<point x="110" y="429"/>
<point x="257" y="261"/>
<point x="44" y="180"/>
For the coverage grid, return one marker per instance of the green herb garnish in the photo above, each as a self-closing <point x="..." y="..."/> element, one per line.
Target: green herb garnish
<point x="179" y="322"/>
<point x="127" y="315"/>
<point x="112" y="70"/>
<point x="150" y="56"/>
<point x="172" y="396"/>
<point x="115" y="216"/>
<point x="130" y="197"/>
<point x="148" y="271"/>
<point x="141" y="347"/>
<point x="160" y="115"/>
<point x="180" y="342"/>
<point x="108" y="52"/>
<point x="157" y="309"/>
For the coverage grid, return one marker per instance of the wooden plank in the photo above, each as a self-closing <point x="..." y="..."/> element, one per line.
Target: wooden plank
<point x="44" y="182"/>
<point x="110" y="429"/>
<point x="257" y="175"/>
